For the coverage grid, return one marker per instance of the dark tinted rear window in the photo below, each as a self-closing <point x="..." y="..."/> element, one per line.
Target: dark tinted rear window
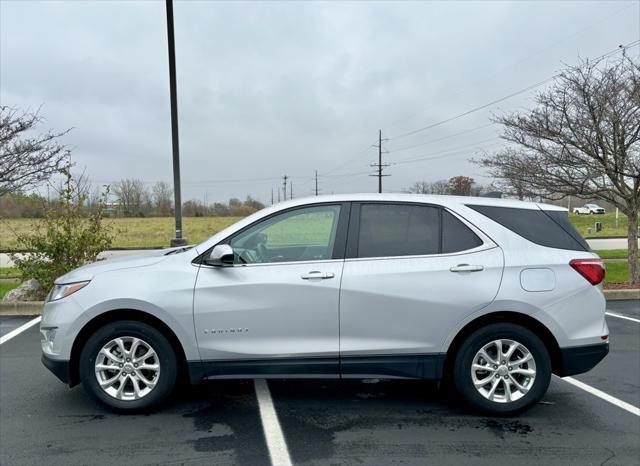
<point x="398" y="230"/>
<point x="546" y="228"/>
<point x="456" y="236"/>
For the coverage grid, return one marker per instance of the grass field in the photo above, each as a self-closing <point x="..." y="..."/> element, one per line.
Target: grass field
<point x="617" y="272"/>
<point x="6" y="286"/>
<point x="131" y="232"/>
<point x="157" y="232"/>
<point x="9" y="272"/>
<point x="608" y="220"/>
<point x="612" y="253"/>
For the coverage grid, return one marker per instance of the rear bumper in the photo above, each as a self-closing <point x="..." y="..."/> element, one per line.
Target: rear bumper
<point x="579" y="359"/>
<point x="59" y="367"/>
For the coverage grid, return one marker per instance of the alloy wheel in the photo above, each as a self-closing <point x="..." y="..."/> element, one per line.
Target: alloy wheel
<point x="127" y="368"/>
<point x="503" y="371"/>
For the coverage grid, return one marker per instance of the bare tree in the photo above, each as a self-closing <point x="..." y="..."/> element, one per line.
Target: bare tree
<point x="26" y="161"/>
<point x="132" y="195"/>
<point x="162" y="194"/>
<point x="582" y="139"/>
<point x="460" y="185"/>
<point x="509" y="178"/>
<point x="430" y="187"/>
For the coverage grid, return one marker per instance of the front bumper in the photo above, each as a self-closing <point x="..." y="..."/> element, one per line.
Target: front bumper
<point x="60" y="368"/>
<point x="579" y="359"/>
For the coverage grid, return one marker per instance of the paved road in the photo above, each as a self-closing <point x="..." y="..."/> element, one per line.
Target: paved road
<point x="5" y="259"/>
<point x="611" y="243"/>
<point x="323" y="422"/>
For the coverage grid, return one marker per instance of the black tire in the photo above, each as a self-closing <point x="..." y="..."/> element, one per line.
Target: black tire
<point x="464" y="359"/>
<point x="165" y="353"/>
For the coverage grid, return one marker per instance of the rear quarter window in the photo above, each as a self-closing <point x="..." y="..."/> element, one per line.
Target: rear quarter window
<point x="456" y="236"/>
<point x="549" y="228"/>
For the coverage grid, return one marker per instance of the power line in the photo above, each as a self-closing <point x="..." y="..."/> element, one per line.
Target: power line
<point x="536" y="53"/>
<point x="316" y="190"/>
<point x="442" y="138"/>
<point x="379" y="166"/>
<point x="284" y="187"/>
<point x="473" y="110"/>
<point x="448" y="153"/>
<point x="351" y="160"/>
<point x="513" y="94"/>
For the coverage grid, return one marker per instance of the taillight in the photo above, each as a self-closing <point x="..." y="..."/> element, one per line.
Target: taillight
<point x="591" y="269"/>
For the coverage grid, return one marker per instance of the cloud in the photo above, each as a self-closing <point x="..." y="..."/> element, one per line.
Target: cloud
<point x="268" y="88"/>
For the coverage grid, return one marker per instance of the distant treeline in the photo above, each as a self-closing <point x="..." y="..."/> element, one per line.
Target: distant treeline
<point x="130" y="202"/>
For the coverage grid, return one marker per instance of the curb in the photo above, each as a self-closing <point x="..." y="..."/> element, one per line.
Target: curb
<point x="24" y="308"/>
<point x="621" y="295"/>
<point x="34" y="308"/>
<point x="606" y="237"/>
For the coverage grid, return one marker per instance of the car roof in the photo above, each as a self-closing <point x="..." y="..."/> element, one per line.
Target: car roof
<point x="423" y="198"/>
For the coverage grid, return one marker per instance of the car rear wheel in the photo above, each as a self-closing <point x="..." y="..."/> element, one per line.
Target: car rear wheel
<point x="128" y="365"/>
<point x="502" y="369"/>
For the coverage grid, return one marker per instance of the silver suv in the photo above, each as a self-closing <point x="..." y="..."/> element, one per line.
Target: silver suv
<point x="492" y="295"/>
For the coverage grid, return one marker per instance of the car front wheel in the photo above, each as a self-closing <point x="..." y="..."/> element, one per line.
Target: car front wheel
<point x="128" y="365"/>
<point x="502" y="369"/>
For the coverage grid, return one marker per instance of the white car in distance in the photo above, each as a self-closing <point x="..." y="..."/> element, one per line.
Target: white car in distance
<point x="589" y="209"/>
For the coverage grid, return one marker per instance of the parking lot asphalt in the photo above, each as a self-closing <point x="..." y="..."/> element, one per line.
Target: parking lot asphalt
<point x="322" y="421"/>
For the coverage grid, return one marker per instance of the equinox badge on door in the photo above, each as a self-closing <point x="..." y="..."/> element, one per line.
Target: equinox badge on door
<point x="225" y="330"/>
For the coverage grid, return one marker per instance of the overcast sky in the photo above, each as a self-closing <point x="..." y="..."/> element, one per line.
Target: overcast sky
<point x="273" y="88"/>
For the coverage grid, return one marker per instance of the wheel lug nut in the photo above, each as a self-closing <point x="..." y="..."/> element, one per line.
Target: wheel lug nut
<point x="497" y="376"/>
<point x="506" y="376"/>
<point x="510" y="368"/>
<point x="135" y="365"/>
<point x="129" y="360"/>
<point x="495" y="366"/>
<point x="504" y="362"/>
<point x="120" y="365"/>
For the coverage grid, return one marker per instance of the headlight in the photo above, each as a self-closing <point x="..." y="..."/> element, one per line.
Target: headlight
<point x="64" y="290"/>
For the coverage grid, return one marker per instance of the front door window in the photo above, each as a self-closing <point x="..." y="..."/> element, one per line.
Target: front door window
<point x="297" y="235"/>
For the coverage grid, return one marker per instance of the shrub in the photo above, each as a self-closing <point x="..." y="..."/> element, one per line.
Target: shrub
<point x="67" y="238"/>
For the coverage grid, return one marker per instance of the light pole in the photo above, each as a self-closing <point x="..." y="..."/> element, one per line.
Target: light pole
<point x="178" y="240"/>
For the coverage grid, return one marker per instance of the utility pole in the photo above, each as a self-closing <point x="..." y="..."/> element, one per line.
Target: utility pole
<point x="380" y="166"/>
<point x="316" y="182"/>
<point x="271" y="196"/>
<point x="291" y="190"/>
<point x="284" y="187"/>
<point x="178" y="240"/>
<point x="278" y="196"/>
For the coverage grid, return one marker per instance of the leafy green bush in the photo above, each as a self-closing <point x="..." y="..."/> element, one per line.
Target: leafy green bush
<point x="69" y="236"/>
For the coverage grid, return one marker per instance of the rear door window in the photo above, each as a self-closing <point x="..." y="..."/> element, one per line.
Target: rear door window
<point x="388" y="230"/>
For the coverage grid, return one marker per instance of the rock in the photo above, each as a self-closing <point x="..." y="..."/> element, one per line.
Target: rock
<point x="27" y="291"/>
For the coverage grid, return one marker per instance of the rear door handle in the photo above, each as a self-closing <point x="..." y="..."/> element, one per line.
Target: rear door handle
<point x="467" y="268"/>
<point x="317" y="275"/>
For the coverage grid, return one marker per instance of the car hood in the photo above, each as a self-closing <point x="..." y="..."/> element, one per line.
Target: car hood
<point x="87" y="272"/>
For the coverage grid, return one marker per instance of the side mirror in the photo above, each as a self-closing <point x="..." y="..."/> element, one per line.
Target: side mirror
<point x="220" y="256"/>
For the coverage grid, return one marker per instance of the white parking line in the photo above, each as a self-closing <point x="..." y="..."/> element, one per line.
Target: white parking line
<point x="19" y="330"/>
<point x="605" y="396"/>
<point x="620" y="316"/>
<point x="276" y="443"/>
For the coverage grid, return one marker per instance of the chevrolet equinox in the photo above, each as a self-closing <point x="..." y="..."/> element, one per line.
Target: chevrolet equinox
<point x="493" y="295"/>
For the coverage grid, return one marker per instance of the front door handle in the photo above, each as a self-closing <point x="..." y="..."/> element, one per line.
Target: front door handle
<point x="467" y="268"/>
<point x="317" y="275"/>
